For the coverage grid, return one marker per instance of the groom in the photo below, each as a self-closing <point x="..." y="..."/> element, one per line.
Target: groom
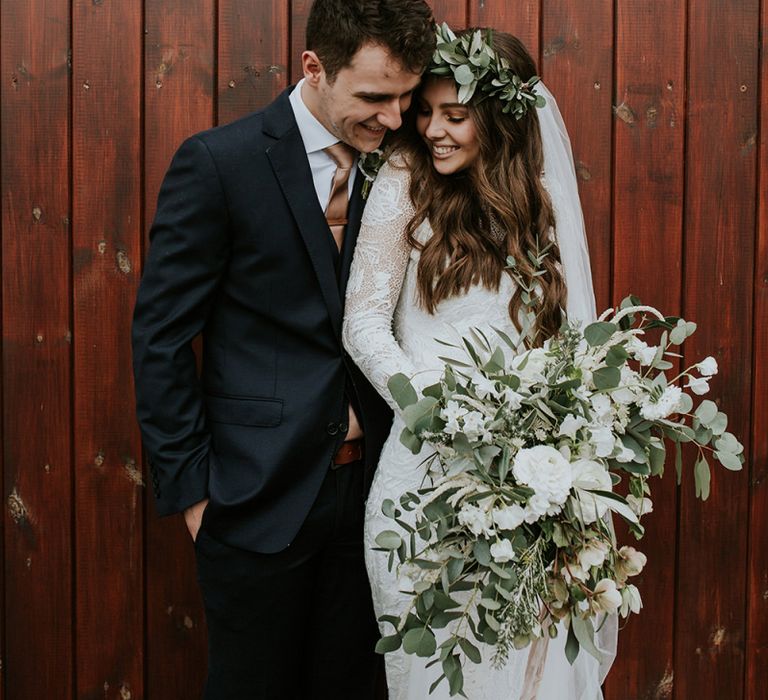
<point x="270" y="450"/>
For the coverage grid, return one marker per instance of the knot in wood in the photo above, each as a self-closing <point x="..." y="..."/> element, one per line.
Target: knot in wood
<point x="16" y="508"/>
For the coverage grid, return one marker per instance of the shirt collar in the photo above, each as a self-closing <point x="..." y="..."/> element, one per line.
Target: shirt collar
<point x="314" y="135"/>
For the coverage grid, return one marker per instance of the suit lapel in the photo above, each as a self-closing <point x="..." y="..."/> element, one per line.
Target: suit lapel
<point x="289" y="162"/>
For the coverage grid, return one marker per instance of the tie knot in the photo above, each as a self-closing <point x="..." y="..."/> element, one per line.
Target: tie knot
<point x="342" y="155"/>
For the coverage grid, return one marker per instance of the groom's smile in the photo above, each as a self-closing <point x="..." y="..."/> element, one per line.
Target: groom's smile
<point x="365" y="99"/>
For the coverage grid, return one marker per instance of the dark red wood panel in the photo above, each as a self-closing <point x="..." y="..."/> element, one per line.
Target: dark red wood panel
<point x="253" y="55"/>
<point x="452" y="11"/>
<point x="718" y="278"/>
<point x="521" y="18"/>
<point x="107" y="230"/>
<point x="577" y="66"/>
<point x="756" y="680"/>
<point x="648" y="234"/>
<point x="299" y="13"/>
<point x="37" y="610"/>
<point x="179" y="89"/>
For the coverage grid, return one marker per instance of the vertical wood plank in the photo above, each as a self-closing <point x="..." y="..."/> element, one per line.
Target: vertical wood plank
<point x="520" y="18"/>
<point x="299" y="14"/>
<point x="37" y="507"/>
<point x="107" y="54"/>
<point x="756" y="679"/>
<point x="179" y="88"/>
<point x="719" y="274"/>
<point x="577" y="66"/>
<point x="253" y="55"/>
<point x="452" y="11"/>
<point x="648" y="234"/>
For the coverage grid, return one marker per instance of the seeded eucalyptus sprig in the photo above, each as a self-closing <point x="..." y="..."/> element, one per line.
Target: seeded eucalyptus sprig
<point x="474" y="64"/>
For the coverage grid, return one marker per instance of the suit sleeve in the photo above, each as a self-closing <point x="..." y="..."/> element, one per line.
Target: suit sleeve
<point x="187" y="256"/>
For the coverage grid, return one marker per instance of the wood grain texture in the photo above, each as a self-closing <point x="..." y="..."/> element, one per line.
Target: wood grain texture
<point x="577" y="66"/>
<point x="107" y="235"/>
<point x="253" y="55"/>
<point x="179" y="89"/>
<point x="299" y="13"/>
<point x="648" y="235"/>
<point x="521" y="18"/>
<point x="452" y="11"/>
<point x="717" y="294"/>
<point x="37" y="609"/>
<point x="756" y="679"/>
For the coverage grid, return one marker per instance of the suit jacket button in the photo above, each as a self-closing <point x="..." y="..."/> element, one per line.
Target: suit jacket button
<point x="332" y="429"/>
<point x="343" y="427"/>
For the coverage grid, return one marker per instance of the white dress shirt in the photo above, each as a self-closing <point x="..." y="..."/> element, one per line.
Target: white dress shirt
<point x="316" y="137"/>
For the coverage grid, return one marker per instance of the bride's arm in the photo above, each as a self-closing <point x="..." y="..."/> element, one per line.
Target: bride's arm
<point x="376" y="279"/>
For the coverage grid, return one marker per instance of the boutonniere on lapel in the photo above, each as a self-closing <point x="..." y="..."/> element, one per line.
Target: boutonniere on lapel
<point x="369" y="165"/>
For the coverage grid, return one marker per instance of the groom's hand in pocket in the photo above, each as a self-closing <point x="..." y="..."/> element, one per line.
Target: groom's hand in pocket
<point x="193" y="516"/>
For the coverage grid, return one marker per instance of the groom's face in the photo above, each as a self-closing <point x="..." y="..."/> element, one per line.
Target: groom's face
<point x="365" y="98"/>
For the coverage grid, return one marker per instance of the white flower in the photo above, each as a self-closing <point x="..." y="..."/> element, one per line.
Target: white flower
<point x="630" y="600"/>
<point x="508" y="518"/>
<point x="453" y="411"/>
<point x="601" y="405"/>
<point x="592" y="554"/>
<point x="698" y="385"/>
<point x="484" y="387"/>
<point x="625" y="454"/>
<point x="537" y="507"/>
<point x="546" y="471"/>
<point x="590" y="475"/>
<point x="474" y="425"/>
<point x="603" y="439"/>
<point x="574" y="572"/>
<point x="662" y="407"/>
<point x="571" y="425"/>
<point x="708" y="366"/>
<point x="502" y="551"/>
<point x="512" y="399"/>
<point x="641" y="351"/>
<point x="640" y="506"/>
<point x="607" y="597"/>
<point x="534" y="362"/>
<point x="631" y="561"/>
<point x="476" y="520"/>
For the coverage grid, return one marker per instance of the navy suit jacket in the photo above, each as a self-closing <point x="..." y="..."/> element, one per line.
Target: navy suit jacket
<point x="241" y="252"/>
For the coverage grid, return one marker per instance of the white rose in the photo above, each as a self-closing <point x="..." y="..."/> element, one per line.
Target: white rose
<point x="508" y="518"/>
<point x="607" y="597"/>
<point x="536" y="508"/>
<point x="698" y="385"/>
<point x="601" y="405"/>
<point x="708" y="366"/>
<point x="593" y="554"/>
<point x="545" y="470"/>
<point x="630" y="600"/>
<point x="502" y="551"/>
<point x="603" y="440"/>
<point x="571" y="425"/>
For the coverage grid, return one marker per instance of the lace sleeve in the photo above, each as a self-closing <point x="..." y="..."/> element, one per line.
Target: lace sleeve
<point x="376" y="278"/>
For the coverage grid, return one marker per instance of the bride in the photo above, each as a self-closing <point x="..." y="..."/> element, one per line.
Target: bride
<point x="471" y="183"/>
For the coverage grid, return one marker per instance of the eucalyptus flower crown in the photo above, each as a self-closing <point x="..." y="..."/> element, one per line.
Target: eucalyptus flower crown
<point x="473" y="64"/>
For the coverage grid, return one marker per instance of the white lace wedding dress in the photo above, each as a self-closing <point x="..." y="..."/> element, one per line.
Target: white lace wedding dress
<point x="385" y="332"/>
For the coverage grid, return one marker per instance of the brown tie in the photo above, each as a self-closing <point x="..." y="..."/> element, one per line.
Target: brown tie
<point x="336" y="211"/>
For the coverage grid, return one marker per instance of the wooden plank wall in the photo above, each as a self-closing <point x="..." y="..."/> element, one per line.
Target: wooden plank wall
<point x="663" y="101"/>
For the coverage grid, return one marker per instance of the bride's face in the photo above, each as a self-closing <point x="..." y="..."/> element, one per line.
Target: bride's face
<point x="446" y="127"/>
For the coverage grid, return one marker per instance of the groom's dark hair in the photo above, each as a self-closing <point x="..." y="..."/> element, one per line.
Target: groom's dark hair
<point x="336" y="29"/>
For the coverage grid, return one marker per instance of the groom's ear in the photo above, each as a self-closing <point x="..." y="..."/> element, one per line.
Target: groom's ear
<point x="312" y="67"/>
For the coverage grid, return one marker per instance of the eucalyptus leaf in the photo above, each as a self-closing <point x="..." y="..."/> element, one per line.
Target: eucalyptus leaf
<point x="585" y="633"/>
<point x="599" y="333"/>
<point x="606" y="378"/>
<point x="388" y="539"/>
<point x="729" y="460"/>
<point x="702" y="477"/>
<point x="420" y="641"/>
<point x="571" y="646"/>
<point x="388" y="644"/>
<point x="402" y="390"/>
<point x="706" y="411"/>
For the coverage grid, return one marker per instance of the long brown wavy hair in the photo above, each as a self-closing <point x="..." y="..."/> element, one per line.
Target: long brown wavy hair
<point x="502" y="190"/>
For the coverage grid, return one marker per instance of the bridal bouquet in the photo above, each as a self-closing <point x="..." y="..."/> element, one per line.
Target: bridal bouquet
<point x="512" y="533"/>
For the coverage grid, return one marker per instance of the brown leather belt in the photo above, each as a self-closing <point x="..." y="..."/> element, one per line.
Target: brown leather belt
<point x="350" y="451"/>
